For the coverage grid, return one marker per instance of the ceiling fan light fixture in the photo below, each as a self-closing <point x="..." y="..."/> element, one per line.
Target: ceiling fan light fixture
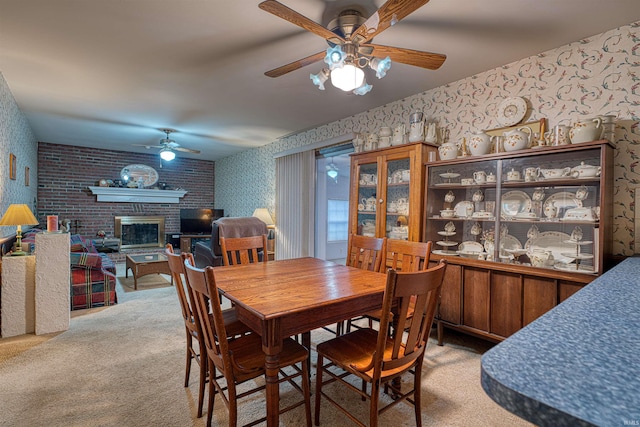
<point x="347" y="78"/>
<point x="320" y="78"/>
<point x="363" y="89"/>
<point x="335" y="57"/>
<point x="167" y="155"/>
<point x="380" y="66"/>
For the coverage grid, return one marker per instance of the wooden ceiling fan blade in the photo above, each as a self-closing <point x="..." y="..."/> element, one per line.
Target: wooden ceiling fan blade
<point x="428" y="60"/>
<point x="282" y="11"/>
<point x="295" y="65"/>
<point x="387" y="15"/>
<point x="186" y="150"/>
<point x="147" y="146"/>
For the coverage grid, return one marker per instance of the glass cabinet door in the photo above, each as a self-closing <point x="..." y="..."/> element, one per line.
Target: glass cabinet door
<point x="461" y="218"/>
<point x="549" y="210"/>
<point x="367" y="198"/>
<point x="397" y="199"/>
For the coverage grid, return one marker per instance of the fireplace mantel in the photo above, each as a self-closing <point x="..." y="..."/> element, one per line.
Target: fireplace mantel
<point x="137" y="195"/>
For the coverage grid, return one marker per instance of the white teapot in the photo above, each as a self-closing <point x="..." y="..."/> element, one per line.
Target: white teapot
<point x="517" y="139"/>
<point x="541" y="258"/>
<point x="586" y="130"/>
<point x="479" y="144"/>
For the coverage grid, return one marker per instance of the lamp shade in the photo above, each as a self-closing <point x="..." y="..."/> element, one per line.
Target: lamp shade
<point x="167" y="154"/>
<point x="264" y="215"/>
<point x="347" y="77"/>
<point x="18" y="215"/>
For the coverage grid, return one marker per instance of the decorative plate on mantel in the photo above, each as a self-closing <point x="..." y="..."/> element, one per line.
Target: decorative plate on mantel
<point x="511" y="111"/>
<point x="137" y="173"/>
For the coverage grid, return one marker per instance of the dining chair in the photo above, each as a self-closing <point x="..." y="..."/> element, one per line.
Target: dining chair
<point x="366" y="253"/>
<point x="192" y="328"/>
<point x="401" y="255"/>
<point x="244" y="250"/>
<point x="377" y="358"/>
<point x="241" y="359"/>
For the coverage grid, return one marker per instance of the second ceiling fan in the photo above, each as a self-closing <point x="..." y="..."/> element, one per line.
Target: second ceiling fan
<point x="349" y="37"/>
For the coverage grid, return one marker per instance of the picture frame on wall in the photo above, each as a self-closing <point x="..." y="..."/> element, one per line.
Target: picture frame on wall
<point x="12" y="166"/>
<point x="26" y="176"/>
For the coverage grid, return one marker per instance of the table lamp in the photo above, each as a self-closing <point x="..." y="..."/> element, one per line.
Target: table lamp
<point x="18" y="215"/>
<point x="264" y="215"/>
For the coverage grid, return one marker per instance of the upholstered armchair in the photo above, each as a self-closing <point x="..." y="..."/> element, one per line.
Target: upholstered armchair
<point x="205" y="254"/>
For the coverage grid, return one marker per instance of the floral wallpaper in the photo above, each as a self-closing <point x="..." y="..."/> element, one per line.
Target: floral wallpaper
<point x="16" y="138"/>
<point x="595" y="76"/>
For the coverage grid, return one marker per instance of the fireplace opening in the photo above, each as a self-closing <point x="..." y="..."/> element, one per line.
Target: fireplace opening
<point x="139" y="231"/>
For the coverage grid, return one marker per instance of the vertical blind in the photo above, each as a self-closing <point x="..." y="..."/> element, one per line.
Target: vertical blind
<point x="295" y="206"/>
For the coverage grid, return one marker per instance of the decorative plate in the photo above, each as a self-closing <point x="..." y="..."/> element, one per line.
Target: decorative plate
<point x="139" y="173"/>
<point x="511" y="111"/>
<point x="515" y="202"/>
<point x="553" y="241"/>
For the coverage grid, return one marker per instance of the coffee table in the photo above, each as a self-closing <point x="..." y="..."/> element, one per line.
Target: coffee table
<point x="143" y="264"/>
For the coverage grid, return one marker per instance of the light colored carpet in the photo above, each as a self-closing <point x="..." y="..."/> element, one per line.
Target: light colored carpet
<point x="124" y="366"/>
<point x="150" y="281"/>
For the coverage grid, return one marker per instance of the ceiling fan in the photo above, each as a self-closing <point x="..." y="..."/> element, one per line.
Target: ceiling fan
<point x="349" y="36"/>
<point x="168" y="147"/>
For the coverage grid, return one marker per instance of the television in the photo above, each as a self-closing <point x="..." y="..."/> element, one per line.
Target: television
<point x="198" y="221"/>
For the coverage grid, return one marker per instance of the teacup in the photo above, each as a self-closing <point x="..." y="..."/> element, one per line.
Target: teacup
<point x="477" y="196"/>
<point x="449" y="197"/>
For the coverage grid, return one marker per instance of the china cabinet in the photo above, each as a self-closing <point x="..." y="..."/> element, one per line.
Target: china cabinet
<point x="387" y="191"/>
<point x="522" y="231"/>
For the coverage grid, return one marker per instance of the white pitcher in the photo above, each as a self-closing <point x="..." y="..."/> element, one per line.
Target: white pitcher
<point x="430" y="134"/>
<point x="398" y="135"/>
<point x="416" y="126"/>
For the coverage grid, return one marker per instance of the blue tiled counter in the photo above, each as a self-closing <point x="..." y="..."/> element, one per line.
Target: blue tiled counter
<point x="578" y="364"/>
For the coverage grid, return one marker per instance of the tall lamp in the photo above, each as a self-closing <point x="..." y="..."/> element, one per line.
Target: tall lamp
<point x="18" y="215"/>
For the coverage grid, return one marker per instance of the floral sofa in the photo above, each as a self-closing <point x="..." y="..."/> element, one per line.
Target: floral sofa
<point x="93" y="274"/>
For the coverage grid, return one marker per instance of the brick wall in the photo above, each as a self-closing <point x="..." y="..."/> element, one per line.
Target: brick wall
<point x="65" y="172"/>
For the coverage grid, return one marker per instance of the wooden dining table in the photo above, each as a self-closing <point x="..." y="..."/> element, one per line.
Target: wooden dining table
<point x="279" y="299"/>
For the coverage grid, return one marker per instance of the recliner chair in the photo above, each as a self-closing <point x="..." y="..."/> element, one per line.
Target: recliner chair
<point x="205" y="254"/>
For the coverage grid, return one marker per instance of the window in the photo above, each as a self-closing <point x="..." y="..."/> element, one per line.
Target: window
<point x="337" y="220"/>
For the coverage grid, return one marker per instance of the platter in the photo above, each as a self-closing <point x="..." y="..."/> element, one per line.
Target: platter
<point x="563" y="200"/>
<point x="554" y="241"/>
<point x="446" y="243"/>
<point x="449" y="175"/>
<point x="510" y="243"/>
<point x="460" y="210"/>
<point x="511" y="111"/>
<point x="470" y="246"/>
<point x="441" y="252"/>
<point x="514" y="202"/>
